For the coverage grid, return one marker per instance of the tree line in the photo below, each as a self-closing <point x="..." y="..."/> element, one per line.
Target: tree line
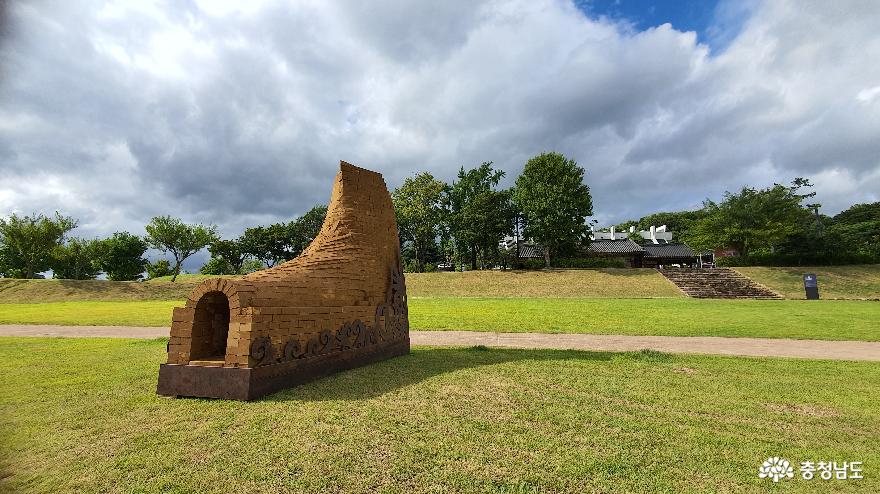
<point x="461" y="225"/>
<point x="32" y="244"/>
<point x="776" y="225"/>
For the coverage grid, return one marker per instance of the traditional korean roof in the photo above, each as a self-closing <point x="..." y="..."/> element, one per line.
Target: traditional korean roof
<point x="669" y="251"/>
<point x="625" y="246"/>
<point x="530" y="250"/>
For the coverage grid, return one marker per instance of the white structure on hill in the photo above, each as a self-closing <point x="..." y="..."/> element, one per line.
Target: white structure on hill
<point x="656" y="234"/>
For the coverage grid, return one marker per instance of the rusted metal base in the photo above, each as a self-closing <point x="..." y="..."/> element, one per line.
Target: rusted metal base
<point x="251" y="383"/>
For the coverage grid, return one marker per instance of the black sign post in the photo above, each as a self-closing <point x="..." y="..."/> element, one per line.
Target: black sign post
<point x="811" y="286"/>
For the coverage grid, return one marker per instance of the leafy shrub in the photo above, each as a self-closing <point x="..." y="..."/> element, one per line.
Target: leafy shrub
<point x="76" y="259"/>
<point x="122" y="257"/>
<point x="410" y="266"/>
<point x="159" y="269"/>
<point x="251" y="265"/>
<point x="219" y="267"/>
<point x="216" y="266"/>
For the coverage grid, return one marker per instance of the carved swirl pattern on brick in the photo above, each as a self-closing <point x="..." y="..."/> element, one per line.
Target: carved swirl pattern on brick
<point x="261" y="350"/>
<point x="352" y="335"/>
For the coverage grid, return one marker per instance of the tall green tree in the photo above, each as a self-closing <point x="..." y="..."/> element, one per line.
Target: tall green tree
<point x="5" y="269"/>
<point x="753" y="219"/>
<point x="305" y="228"/>
<point x="857" y="230"/>
<point x="554" y="202"/>
<point x="217" y="266"/>
<point x="122" y="257"/>
<point x="27" y="243"/>
<point x="679" y="223"/>
<point x="270" y="244"/>
<point x="477" y="215"/>
<point x="857" y="238"/>
<point x="419" y="210"/>
<point x="77" y="259"/>
<point x="858" y="213"/>
<point x="169" y="234"/>
<point x="281" y="242"/>
<point x="227" y="257"/>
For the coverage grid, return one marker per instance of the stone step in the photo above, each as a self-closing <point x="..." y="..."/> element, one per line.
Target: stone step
<point x="717" y="283"/>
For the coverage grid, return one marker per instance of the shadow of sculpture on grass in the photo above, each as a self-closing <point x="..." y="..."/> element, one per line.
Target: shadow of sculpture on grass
<point x="422" y="364"/>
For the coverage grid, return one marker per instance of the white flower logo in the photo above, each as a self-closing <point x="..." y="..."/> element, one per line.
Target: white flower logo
<point x="776" y="468"/>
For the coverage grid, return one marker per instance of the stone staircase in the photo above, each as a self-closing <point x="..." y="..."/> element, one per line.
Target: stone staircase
<point x="717" y="283"/>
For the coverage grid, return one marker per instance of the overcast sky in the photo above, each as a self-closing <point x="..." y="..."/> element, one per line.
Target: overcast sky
<point x="114" y="112"/>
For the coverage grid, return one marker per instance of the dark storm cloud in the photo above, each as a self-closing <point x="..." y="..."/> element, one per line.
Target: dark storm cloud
<point x="238" y="114"/>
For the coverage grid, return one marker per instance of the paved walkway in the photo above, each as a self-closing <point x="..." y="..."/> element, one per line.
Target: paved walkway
<point x="713" y="345"/>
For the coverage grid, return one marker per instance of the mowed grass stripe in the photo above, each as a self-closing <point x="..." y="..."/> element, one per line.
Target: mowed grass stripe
<point x="824" y="320"/>
<point x="144" y="313"/>
<point x="83" y="416"/>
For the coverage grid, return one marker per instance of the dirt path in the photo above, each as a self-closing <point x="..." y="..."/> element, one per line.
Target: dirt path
<point x="756" y="347"/>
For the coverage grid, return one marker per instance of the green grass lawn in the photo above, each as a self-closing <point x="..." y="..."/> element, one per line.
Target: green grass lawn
<point x="143" y="313"/>
<point x="82" y="416"/>
<point x="834" y="281"/>
<point x="826" y="320"/>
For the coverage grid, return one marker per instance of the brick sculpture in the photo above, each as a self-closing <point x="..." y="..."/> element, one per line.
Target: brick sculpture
<point x="340" y="304"/>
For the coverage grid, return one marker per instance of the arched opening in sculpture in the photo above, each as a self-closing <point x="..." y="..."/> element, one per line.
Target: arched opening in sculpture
<point x="210" y="329"/>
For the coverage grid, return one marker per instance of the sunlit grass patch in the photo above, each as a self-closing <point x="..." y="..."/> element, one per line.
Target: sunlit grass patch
<point x="82" y="416"/>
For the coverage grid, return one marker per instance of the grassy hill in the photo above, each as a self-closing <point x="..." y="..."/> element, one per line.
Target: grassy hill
<point x="592" y="283"/>
<point x="848" y="282"/>
<point x="37" y="291"/>
<point x="843" y="282"/>
<point x="574" y="283"/>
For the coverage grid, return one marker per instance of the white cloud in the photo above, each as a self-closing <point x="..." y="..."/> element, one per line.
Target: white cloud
<point x="239" y="117"/>
<point x="868" y="94"/>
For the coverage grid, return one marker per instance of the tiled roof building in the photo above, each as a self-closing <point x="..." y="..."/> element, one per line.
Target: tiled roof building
<point x="625" y="246"/>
